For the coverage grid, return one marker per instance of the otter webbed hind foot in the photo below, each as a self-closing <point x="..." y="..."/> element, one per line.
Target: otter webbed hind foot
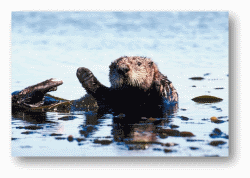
<point x="33" y="96"/>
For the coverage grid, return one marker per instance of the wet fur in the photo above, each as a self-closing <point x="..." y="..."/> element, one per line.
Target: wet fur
<point x="145" y="76"/>
<point x="137" y="87"/>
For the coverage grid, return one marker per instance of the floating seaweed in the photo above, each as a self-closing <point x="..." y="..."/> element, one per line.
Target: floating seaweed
<point x="196" y="78"/>
<point x="207" y="99"/>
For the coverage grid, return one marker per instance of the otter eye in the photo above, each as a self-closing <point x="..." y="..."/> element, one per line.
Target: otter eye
<point x="139" y="63"/>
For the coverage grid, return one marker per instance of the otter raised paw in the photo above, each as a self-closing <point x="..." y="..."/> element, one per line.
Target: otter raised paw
<point x="136" y="85"/>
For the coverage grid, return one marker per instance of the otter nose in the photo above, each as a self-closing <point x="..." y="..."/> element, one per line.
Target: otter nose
<point x="123" y="70"/>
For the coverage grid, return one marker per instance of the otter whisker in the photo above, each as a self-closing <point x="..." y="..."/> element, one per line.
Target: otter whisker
<point x="137" y="83"/>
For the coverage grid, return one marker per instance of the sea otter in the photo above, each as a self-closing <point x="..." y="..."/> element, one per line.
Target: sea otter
<point x="137" y="86"/>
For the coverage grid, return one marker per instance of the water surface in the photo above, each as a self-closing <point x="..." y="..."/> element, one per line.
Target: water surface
<point x="183" y="44"/>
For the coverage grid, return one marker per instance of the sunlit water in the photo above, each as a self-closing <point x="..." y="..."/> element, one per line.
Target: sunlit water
<point x="54" y="44"/>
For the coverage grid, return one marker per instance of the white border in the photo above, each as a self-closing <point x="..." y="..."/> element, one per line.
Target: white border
<point x="234" y="165"/>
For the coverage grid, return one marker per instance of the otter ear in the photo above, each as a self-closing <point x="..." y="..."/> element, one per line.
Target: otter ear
<point x="151" y="63"/>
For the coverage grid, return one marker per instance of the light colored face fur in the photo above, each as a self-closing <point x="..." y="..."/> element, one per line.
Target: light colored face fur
<point x="132" y="71"/>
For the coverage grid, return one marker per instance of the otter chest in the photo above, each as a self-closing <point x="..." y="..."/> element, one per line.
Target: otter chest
<point x="133" y="97"/>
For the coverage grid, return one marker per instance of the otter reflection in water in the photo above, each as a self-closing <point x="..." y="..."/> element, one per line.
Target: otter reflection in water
<point x="133" y="132"/>
<point x="137" y="88"/>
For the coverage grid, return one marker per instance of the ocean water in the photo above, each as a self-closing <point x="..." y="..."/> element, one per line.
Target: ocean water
<point x="183" y="44"/>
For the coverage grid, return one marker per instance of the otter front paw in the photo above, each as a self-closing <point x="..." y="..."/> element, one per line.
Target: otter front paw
<point x="89" y="82"/>
<point x="86" y="78"/>
<point x="84" y="75"/>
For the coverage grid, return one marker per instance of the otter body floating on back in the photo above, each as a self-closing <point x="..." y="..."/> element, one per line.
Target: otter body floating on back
<point x="137" y="86"/>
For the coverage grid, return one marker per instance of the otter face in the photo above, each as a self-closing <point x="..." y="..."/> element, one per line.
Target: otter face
<point x="132" y="71"/>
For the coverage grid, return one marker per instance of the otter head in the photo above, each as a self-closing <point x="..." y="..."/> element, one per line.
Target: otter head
<point x="132" y="71"/>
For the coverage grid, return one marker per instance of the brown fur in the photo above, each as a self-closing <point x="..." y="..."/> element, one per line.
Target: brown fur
<point x="141" y="72"/>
